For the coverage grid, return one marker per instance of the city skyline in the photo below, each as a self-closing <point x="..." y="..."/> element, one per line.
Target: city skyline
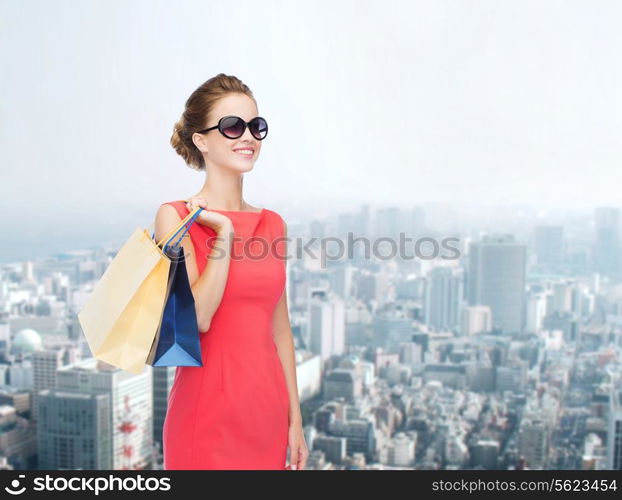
<point x="481" y="102"/>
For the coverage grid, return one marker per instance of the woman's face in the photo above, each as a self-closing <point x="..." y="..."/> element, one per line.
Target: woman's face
<point x="220" y="150"/>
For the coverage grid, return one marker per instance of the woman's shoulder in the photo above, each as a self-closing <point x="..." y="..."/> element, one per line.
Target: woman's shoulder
<point x="277" y="217"/>
<point x="273" y="213"/>
<point x="171" y="209"/>
<point x="174" y="203"/>
<point x="167" y="216"/>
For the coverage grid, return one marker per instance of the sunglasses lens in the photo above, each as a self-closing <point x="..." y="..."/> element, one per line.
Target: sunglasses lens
<point x="259" y="128"/>
<point x="233" y="127"/>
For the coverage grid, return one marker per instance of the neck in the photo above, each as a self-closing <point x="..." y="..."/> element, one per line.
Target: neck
<point x="223" y="191"/>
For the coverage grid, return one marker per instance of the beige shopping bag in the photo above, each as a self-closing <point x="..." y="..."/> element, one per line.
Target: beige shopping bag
<point x="122" y="314"/>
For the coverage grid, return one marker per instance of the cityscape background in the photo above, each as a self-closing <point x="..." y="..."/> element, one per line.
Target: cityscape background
<point x="493" y="123"/>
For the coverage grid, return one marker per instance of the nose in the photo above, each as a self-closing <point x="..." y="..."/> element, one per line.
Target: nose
<point x="247" y="136"/>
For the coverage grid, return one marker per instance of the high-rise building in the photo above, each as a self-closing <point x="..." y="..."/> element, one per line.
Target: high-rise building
<point x="476" y="319"/>
<point x="614" y="431"/>
<point x="390" y="329"/>
<point x="549" y="247"/>
<point x="341" y="279"/>
<point x="44" y="363"/>
<point x="334" y="448"/>
<point x="371" y="287"/>
<point x="533" y="442"/>
<point x="443" y="298"/>
<point x="163" y="378"/>
<point x="359" y="434"/>
<point x="485" y="453"/>
<point x="75" y="430"/>
<point x="401" y="450"/>
<point x="327" y="323"/>
<point x="342" y="383"/>
<point x="388" y="223"/>
<point x="18" y="435"/>
<point x="93" y="389"/>
<point x="535" y="309"/>
<point x="607" y="240"/>
<point x="561" y="297"/>
<point x="497" y="268"/>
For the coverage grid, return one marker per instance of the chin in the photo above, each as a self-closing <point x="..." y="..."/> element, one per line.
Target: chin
<point x="244" y="166"/>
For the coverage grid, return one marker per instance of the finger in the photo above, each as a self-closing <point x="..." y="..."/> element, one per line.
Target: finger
<point x="299" y="463"/>
<point x="199" y="203"/>
<point x="294" y="458"/>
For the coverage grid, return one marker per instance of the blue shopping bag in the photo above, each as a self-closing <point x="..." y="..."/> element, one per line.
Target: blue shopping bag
<point x="177" y="341"/>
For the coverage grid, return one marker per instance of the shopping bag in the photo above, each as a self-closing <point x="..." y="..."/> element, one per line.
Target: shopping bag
<point x="121" y="316"/>
<point x="177" y="341"/>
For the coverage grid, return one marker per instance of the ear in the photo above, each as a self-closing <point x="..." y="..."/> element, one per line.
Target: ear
<point x="200" y="142"/>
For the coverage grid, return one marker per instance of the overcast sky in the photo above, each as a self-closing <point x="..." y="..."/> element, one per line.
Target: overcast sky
<point x="386" y="102"/>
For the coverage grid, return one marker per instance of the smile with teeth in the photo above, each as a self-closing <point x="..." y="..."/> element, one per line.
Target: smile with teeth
<point x="245" y="152"/>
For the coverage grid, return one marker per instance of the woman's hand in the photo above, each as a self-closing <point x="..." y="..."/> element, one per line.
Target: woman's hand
<point x="298" y="452"/>
<point x="218" y="222"/>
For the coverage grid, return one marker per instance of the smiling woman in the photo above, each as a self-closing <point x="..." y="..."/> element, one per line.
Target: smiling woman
<point x="240" y="409"/>
<point x="187" y="137"/>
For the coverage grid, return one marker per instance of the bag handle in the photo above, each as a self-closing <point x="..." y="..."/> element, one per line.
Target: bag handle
<point x="191" y="217"/>
<point x="188" y="218"/>
<point x="176" y="246"/>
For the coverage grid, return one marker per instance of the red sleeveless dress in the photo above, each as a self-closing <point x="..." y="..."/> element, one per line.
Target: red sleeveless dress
<point x="233" y="412"/>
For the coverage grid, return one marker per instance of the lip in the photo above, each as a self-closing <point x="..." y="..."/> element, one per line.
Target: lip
<point x="237" y="150"/>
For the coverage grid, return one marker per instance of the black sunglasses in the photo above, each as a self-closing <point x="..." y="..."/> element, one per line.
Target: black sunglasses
<point x="233" y="127"/>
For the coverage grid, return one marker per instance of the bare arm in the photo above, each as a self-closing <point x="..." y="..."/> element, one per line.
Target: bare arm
<point x="284" y="340"/>
<point x="208" y="288"/>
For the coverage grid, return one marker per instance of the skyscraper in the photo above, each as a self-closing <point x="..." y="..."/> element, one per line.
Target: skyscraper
<point x="327" y="323"/>
<point x="607" y="240"/>
<point x="533" y="441"/>
<point x="91" y="389"/>
<point x="443" y="298"/>
<point x="45" y="362"/>
<point x="614" y="432"/>
<point x="497" y="267"/>
<point x="549" y="247"/>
